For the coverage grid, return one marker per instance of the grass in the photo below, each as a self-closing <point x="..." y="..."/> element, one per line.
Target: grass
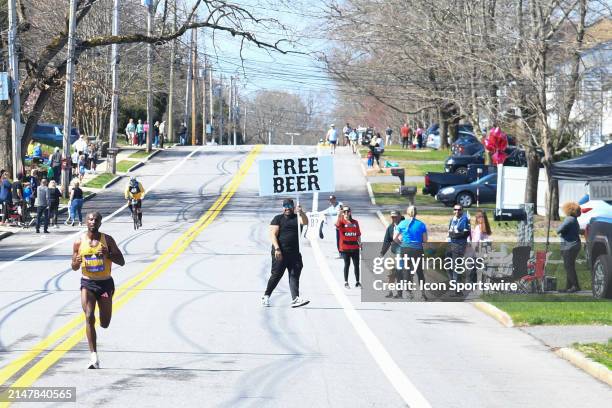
<point x="100" y="180"/>
<point x="397" y="153"/>
<point x="141" y="154"/>
<point x="602" y="353"/>
<point x="386" y="194"/>
<point x="413" y="169"/>
<point x="557" y="309"/>
<point x="124" y="165"/>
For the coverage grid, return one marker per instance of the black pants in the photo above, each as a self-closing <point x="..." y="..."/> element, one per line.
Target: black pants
<point x="404" y="142"/>
<point x="42" y="211"/>
<point x="53" y="210"/>
<point x="57" y="174"/>
<point x="347" y="256"/>
<point x="293" y="264"/>
<point x="569" y="262"/>
<point x="405" y="274"/>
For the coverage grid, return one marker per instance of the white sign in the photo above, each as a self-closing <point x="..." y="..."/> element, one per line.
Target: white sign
<point x="4" y="86"/>
<point x="600" y="190"/>
<point x="511" y="182"/>
<point x="296" y="175"/>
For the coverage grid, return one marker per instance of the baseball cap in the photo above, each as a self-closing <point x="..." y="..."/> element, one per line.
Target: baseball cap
<point x="332" y="125"/>
<point x="332" y="197"/>
<point x="287" y="202"/>
<point x="395" y="213"/>
<point x="346" y="208"/>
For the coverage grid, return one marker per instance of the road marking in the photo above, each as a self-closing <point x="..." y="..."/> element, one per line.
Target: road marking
<point x="107" y="218"/>
<point x="146" y="277"/>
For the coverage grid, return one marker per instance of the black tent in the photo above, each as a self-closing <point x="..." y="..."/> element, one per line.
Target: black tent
<point x="594" y="165"/>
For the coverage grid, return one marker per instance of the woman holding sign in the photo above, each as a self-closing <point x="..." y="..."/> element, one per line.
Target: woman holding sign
<point x="350" y="243"/>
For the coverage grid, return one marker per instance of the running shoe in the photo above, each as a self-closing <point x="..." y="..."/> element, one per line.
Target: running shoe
<point x="346" y="285"/>
<point x="94" y="363"/>
<point x="298" y="301"/>
<point x="358" y="285"/>
<point x="265" y="301"/>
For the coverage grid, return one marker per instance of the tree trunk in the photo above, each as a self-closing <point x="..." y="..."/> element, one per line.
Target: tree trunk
<point x="443" y="129"/>
<point x="533" y="173"/>
<point x="6" y="156"/>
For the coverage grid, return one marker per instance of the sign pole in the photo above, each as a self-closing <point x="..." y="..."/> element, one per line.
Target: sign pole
<point x="297" y="200"/>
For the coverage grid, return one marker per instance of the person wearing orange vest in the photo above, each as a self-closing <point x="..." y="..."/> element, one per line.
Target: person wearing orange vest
<point x="350" y="243"/>
<point x="94" y="253"/>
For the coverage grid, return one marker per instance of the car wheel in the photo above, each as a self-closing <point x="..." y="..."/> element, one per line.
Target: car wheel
<point x="465" y="199"/>
<point x="602" y="277"/>
<point x="462" y="171"/>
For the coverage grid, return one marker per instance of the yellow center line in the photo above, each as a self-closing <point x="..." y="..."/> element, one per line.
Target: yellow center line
<point x="126" y="291"/>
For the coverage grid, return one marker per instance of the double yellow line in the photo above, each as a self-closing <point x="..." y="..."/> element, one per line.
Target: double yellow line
<point x="124" y="293"/>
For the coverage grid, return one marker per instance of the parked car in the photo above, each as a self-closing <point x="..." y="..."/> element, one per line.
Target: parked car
<point x="598" y="233"/>
<point x="51" y="134"/>
<point x="483" y="190"/>
<point x="365" y="135"/>
<point x="434" y="182"/>
<point x="433" y="141"/>
<point x="467" y="144"/>
<point x="459" y="164"/>
<point x="594" y="208"/>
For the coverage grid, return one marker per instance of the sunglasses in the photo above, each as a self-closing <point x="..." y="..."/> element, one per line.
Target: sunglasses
<point x="346" y="211"/>
<point x="288" y="206"/>
<point x="456" y="209"/>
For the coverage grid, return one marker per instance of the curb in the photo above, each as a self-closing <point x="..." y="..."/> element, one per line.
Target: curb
<point x="363" y="169"/>
<point x="381" y="218"/>
<point x="371" y="193"/>
<point x="113" y="181"/>
<point x="5" y="234"/>
<point x="498" y="314"/>
<point x="136" y="166"/>
<point x="591" y="367"/>
<point x="149" y="157"/>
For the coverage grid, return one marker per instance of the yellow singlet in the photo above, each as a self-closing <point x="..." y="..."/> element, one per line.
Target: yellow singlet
<point x="92" y="266"/>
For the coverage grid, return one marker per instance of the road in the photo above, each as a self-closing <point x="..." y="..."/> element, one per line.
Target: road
<point x="188" y="328"/>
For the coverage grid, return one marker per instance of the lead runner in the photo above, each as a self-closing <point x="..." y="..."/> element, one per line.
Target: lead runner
<point x="95" y="252"/>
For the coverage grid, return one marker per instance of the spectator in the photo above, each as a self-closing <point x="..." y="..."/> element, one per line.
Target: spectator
<point x="54" y="201"/>
<point x="405" y="134"/>
<point x="346" y="131"/>
<point x="82" y="164"/>
<point x="145" y="128"/>
<point x="28" y="196"/>
<point x="388" y="242"/>
<point x="569" y="231"/>
<point x="56" y="164"/>
<point x="458" y="233"/>
<point x="50" y="173"/>
<point x="30" y="151"/>
<point x="93" y="157"/>
<point x="411" y="234"/>
<point x="80" y="145"/>
<point x="76" y="204"/>
<point x="388" y="135"/>
<point x="182" y="134"/>
<point x="75" y="163"/>
<point x="479" y="234"/>
<point x="140" y="132"/>
<point x="6" y="199"/>
<point x="37" y="154"/>
<point x="377" y="146"/>
<point x="156" y="134"/>
<point x="42" y="206"/>
<point x="33" y="180"/>
<point x="130" y="132"/>
<point x="350" y="243"/>
<point x="18" y="196"/>
<point x="370" y="158"/>
<point x="419" y="137"/>
<point x="162" y="133"/>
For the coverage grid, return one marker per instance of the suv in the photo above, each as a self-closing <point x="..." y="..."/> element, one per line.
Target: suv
<point x="598" y="233"/>
<point x="51" y="134"/>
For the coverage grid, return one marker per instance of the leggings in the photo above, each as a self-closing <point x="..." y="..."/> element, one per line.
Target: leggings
<point x="347" y="256"/>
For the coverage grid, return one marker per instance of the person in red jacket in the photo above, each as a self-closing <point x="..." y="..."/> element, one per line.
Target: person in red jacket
<point x="350" y="243"/>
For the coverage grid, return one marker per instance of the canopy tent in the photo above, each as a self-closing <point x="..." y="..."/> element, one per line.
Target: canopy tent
<point x="591" y="166"/>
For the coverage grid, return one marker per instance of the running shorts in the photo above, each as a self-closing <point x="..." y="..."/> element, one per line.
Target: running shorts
<point x="100" y="288"/>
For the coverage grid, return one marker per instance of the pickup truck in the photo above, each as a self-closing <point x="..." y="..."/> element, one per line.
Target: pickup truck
<point x="434" y="182"/>
<point x="598" y="233"/>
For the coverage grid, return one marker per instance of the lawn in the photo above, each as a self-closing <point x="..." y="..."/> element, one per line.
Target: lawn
<point x="395" y="154"/>
<point x="386" y="194"/>
<point x="124" y="165"/>
<point x="558" y="309"/>
<point x="141" y="154"/>
<point x="602" y="353"/>
<point x="100" y="180"/>
<point x="413" y="169"/>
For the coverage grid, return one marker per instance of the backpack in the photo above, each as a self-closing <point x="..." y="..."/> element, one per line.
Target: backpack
<point x="134" y="187"/>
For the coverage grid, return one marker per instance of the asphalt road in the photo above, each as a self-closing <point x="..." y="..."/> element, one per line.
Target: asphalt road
<point x="190" y="330"/>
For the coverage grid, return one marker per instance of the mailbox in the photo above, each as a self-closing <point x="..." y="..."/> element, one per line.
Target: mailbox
<point x="398" y="172"/>
<point x="515" y="214"/>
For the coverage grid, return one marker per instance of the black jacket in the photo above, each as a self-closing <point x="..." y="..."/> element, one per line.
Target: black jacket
<point x="388" y="240"/>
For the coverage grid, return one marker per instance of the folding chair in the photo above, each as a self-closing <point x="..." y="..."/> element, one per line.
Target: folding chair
<point x="520" y="259"/>
<point x="537" y="279"/>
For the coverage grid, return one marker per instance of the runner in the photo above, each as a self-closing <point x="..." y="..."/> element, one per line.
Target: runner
<point x="332" y="137"/>
<point x="346" y="131"/>
<point x="95" y="252"/>
<point x="286" y="252"/>
<point x="350" y="243"/>
<point x="353" y="140"/>
<point x="134" y="190"/>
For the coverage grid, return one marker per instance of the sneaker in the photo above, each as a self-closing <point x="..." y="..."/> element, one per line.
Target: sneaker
<point x="80" y="224"/>
<point x="358" y="285"/>
<point x="94" y="363"/>
<point x="389" y="295"/>
<point x="72" y="223"/>
<point x="298" y="301"/>
<point x="265" y="301"/>
<point x="346" y="285"/>
<point x="67" y="221"/>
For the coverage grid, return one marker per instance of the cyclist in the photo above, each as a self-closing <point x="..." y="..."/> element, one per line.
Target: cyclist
<point x="135" y="190"/>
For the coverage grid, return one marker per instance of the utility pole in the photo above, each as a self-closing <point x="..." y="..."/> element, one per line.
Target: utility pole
<point x="149" y="5"/>
<point x="221" y="110"/>
<point x="68" y="96"/>
<point x="204" y="101"/>
<point x="244" y="124"/>
<point x="212" y="105"/>
<point x="170" y="127"/>
<point x="14" y="89"/>
<point x="230" y="119"/>
<point x="194" y="76"/>
<point x="234" y="110"/>
<point x="188" y="91"/>
<point x="112" y="137"/>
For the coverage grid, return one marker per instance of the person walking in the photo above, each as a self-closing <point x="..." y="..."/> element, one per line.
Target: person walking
<point x="182" y="134"/>
<point x="6" y="198"/>
<point x="389" y="243"/>
<point x="42" y="206"/>
<point x="350" y="243"/>
<point x="353" y="140"/>
<point x="76" y="204"/>
<point x="19" y="198"/>
<point x="346" y="131"/>
<point x="332" y="137"/>
<point x="284" y="234"/>
<point x="54" y="201"/>
<point x="388" y="136"/>
<point x="569" y="231"/>
<point x="94" y="253"/>
<point x="162" y="133"/>
<point x="410" y="234"/>
<point x="458" y="232"/>
<point x="405" y="135"/>
<point x="146" y="129"/>
<point x="130" y="132"/>
<point x="56" y="164"/>
<point x="140" y="132"/>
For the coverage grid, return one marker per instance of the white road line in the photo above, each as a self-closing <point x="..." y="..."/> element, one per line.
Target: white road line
<point x="108" y="217"/>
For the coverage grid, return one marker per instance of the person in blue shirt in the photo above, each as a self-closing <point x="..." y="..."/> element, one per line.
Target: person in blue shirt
<point x="458" y="233"/>
<point x="411" y="234"/>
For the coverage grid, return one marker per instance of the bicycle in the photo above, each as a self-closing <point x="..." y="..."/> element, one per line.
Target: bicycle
<point x="135" y="212"/>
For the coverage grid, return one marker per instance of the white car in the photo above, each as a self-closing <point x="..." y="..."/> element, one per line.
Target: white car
<point x="433" y="141"/>
<point x="594" y="208"/>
